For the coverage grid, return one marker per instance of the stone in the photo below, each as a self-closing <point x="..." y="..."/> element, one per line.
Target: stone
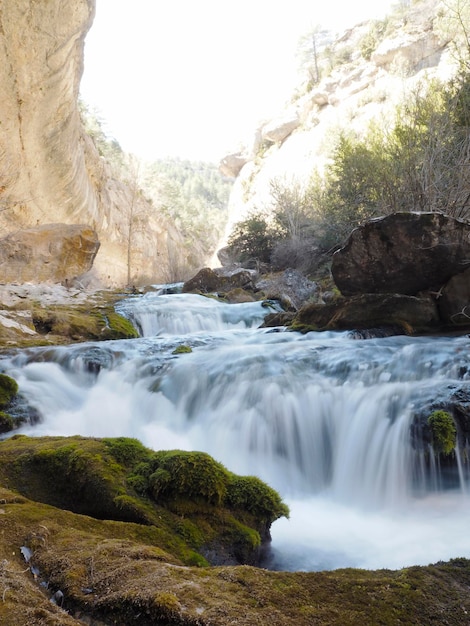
<point x="52" y="252"/>
<point x="410" y="313"/>
<point x="279" y="129"/>
<point x="454" y="301"/>
<point x="208" y="281"/>
<point x="232" y="164"/>
<point x="402" y="253"/>
<point x="290" y="286"/>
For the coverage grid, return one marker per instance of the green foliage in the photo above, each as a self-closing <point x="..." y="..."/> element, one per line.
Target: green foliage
<point x="252" y="239"/>
<point x="195" y="196"/>
<point x="8" y="390"/>
<point x="444" y="433"/>
<point x="419" y="163"/>
<point x="251" y="494"/>
<point x="372" y="38"/>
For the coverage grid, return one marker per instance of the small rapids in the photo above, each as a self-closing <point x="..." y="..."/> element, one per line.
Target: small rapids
<point x="323" y="418"/>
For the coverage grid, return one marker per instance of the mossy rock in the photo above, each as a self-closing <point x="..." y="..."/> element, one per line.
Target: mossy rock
<point x="82" y="323"/>
<point x="8" y="390"/>
<point x="443" y="431"/>
<point x="6" y="422"/>
<point x="116" y="572"/>
<point x="119" y="479"/>
<point x="182" y="349"/>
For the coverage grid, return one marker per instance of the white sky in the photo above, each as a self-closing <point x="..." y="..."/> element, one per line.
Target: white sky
<point x="192" y="78"/>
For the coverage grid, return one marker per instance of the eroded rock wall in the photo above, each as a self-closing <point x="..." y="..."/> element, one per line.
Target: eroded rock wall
<point x="50" y="171"/>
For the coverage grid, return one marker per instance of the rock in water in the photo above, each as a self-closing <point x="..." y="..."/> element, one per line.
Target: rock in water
<point x="402" y="253"/>
<point x="52" y="252"/>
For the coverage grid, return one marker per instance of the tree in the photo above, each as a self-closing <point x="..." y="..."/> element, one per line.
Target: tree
<point x="252" y="239"/>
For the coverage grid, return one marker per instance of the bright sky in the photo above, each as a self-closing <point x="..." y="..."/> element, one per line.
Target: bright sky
<point x="192" y="78"/>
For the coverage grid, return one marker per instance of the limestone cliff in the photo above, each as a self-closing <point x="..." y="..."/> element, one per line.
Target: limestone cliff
<point x="50" y="171"/>
<point x="369" y="73"/>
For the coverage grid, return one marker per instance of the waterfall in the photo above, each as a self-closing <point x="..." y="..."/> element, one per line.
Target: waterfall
<point x="323" y="418"/>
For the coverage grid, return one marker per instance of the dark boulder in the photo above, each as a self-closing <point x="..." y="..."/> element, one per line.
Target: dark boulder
<point x="209" y="281"/>
<point x="454" y="300"/>
<point x="402" y="253"/>
<point x="409" y="313"/>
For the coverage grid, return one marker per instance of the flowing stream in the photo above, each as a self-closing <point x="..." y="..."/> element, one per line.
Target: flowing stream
<point x="322" y="417"/>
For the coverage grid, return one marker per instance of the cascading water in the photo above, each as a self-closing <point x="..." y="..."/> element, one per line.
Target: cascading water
<point x="323" y="418"/>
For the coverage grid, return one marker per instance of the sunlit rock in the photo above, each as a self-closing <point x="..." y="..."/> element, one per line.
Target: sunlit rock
<point x="53" y="252"/>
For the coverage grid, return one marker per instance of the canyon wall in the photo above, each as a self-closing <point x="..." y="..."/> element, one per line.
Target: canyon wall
<point x="50" y="170"/>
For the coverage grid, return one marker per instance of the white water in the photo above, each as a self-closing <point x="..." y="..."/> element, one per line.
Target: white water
<point x="321" y="417"/>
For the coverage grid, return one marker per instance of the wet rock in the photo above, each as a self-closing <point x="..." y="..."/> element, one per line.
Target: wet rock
<point x="402" y="253"/>
<point x="291" y="288"/>
<point x="370" y="311"/>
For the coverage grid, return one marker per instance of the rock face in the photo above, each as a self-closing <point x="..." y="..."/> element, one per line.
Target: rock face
<point x="50" y="170"/>
<point x="406" y="313"/>
<point x="53" y="252"/>
<point x="454" y="303"/>
<point x="208" y="281"/>
<point x="402" y="253"/>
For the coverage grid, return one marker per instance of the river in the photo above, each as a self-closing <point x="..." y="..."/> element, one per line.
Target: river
<point x="322" y="417"/>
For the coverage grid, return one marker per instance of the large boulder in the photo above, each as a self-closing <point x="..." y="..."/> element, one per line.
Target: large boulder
<point x="52" y="252"/>
<point x="407" y="313"/>
<point x="290" y="287"/>
<point x="454" y="300"/>
<point x="209" y="281"/>
<point x="402" y="253"/>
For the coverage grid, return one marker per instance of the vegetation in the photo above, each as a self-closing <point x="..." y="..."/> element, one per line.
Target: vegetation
<point x="443" y="431"/>
<point x="8" y="390"/>
<point x="196" y="505"/>
<point x="419" y="163"/>
<point x="116" y="572"/>
<point x="79" y="323"/>
<point x="194" y="195"/>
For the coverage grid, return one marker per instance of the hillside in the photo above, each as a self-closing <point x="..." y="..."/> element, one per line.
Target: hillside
<point x="349" y="82"/>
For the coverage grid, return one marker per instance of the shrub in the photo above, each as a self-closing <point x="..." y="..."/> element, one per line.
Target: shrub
<point x="252" y="239"/>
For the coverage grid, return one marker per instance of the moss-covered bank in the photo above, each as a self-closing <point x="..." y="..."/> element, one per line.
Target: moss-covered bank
<point x="203" y="513"/>
<point x="116" y="573"/>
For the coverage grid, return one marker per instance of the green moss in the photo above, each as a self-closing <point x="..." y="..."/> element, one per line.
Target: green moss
<point x="83" y="322"/>
<point x="183" y="349"/>
<point x="8" y="390"/>
<point x="121" y="327"/>
<point x="251" y="494"/>
<point x="6" y="422"/>
<point x="126" y="450"/>
<point x="182" y="495"/>
<point x="188" y="475"/>
<point x="444" y="433"/>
